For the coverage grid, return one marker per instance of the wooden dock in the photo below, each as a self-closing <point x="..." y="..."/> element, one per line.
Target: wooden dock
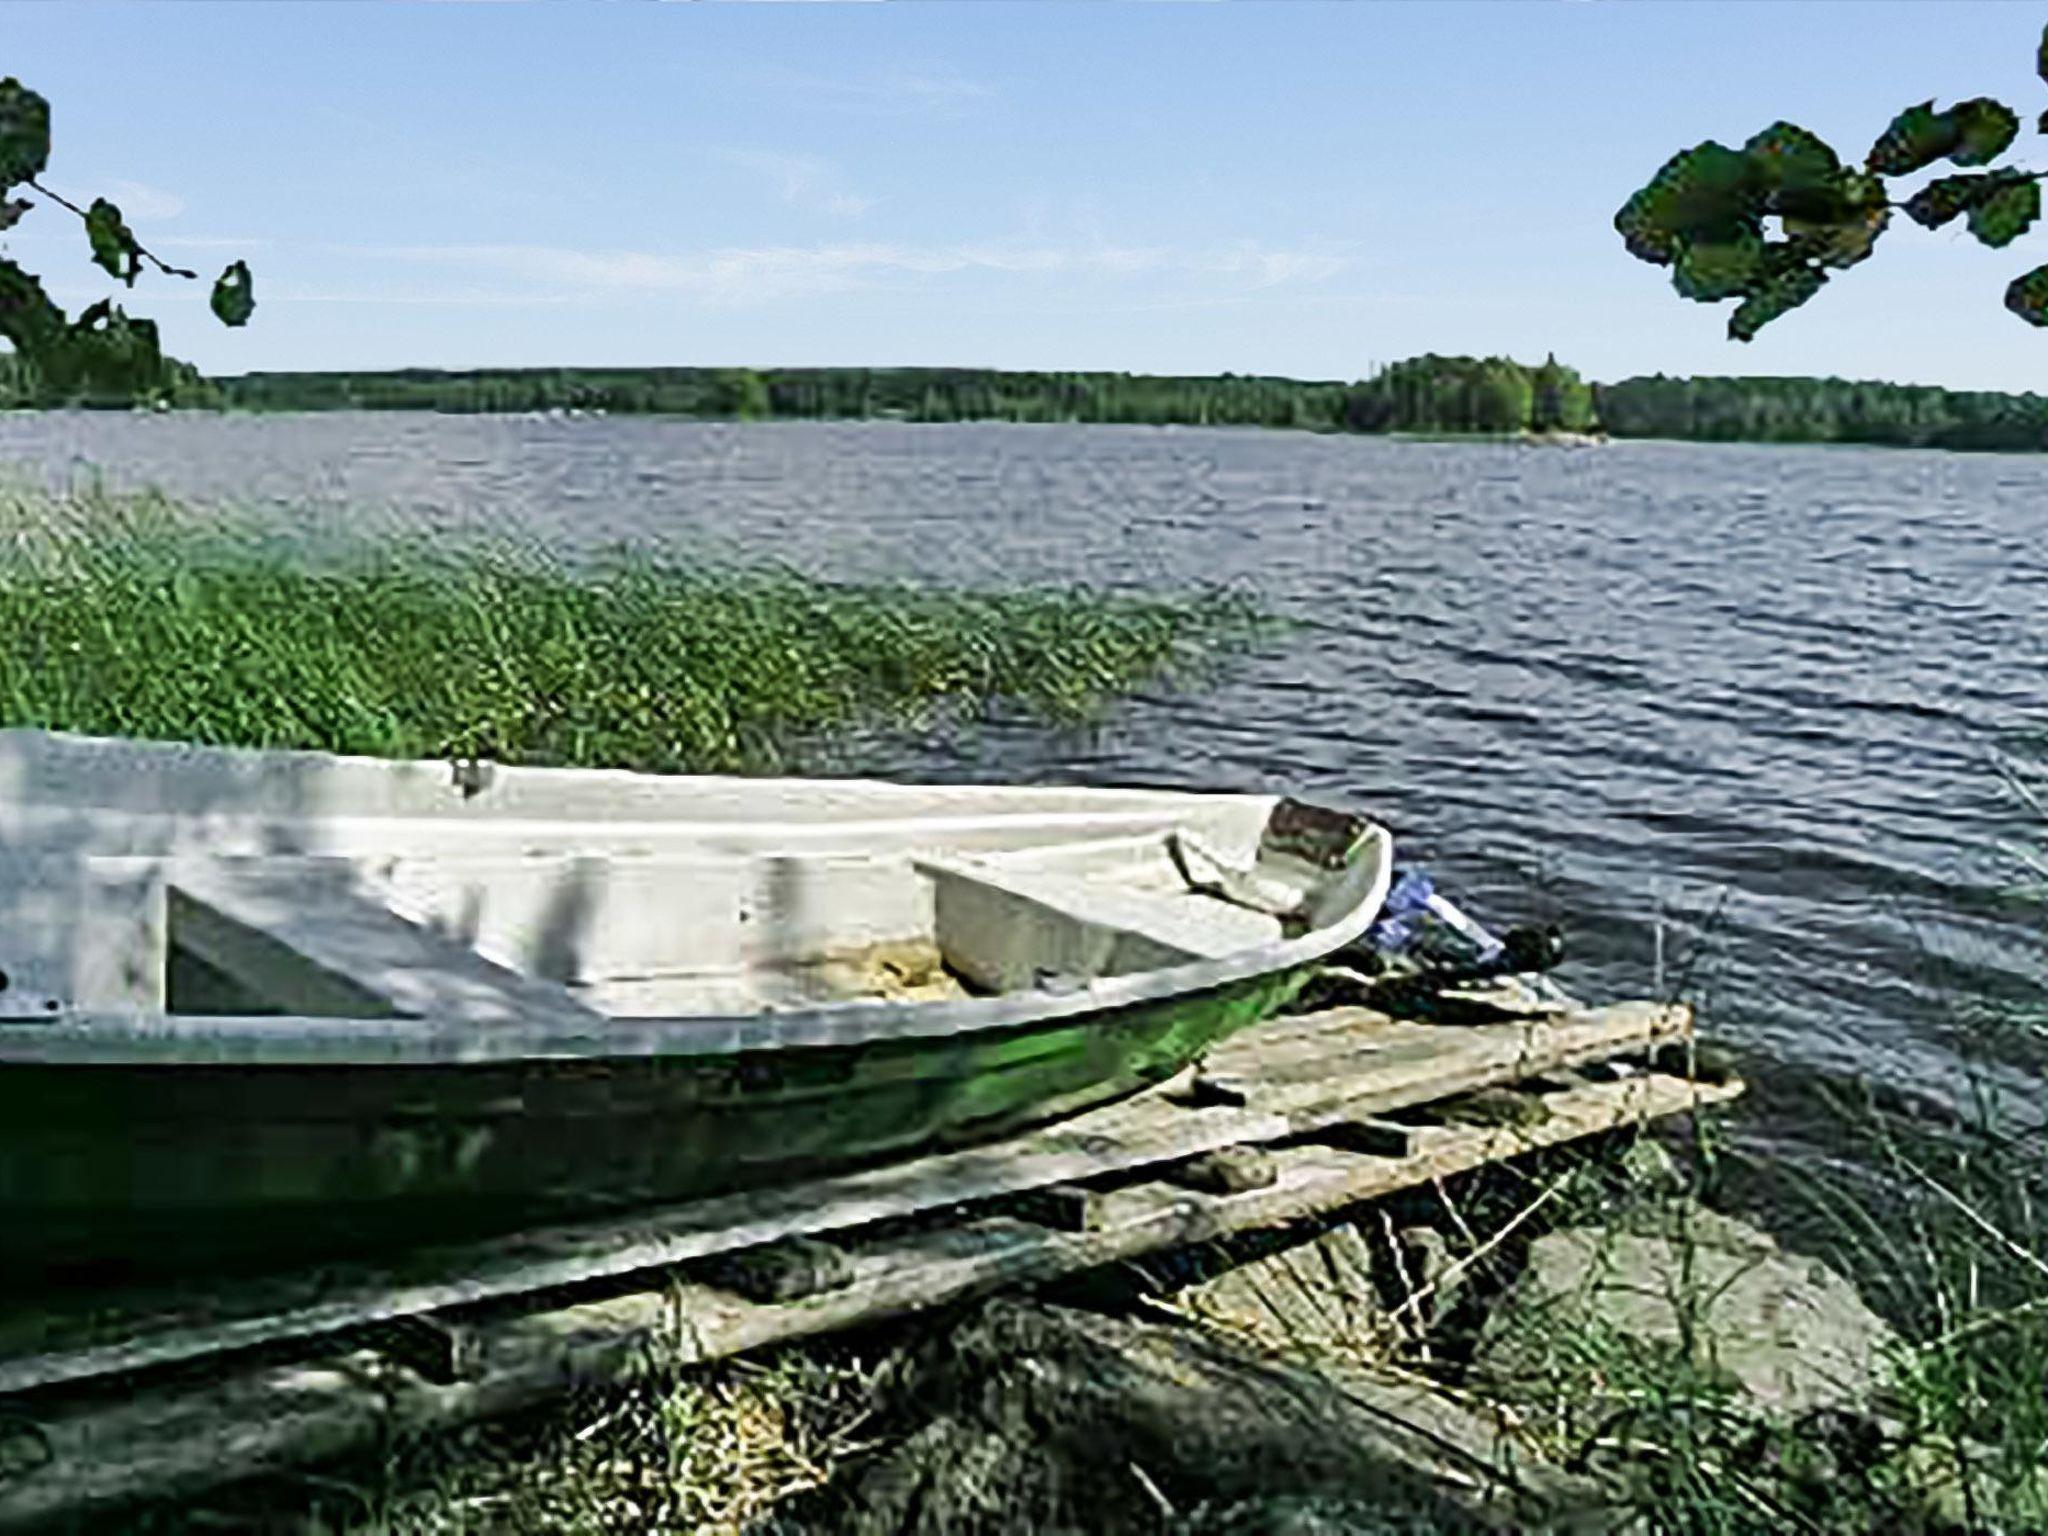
<point x="161" y="1392"/>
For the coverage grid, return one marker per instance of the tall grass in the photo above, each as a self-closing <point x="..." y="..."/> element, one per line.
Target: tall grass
<point x="1939" y="1215"/>
<point x="130" y="616"/>
<point x="1942" y="1230"/>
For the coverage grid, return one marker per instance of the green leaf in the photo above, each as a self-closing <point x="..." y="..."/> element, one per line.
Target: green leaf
<point x="24" y="133"/>
<point x="1783" y="293"/>
<point x="28" y="318"/>
<point x="1838" y="224"/>
<point x="113" y="243"/>
<point x="234" y="298"/>
<point x="1709" y="272"/>
<point x="1785" y="158"/>
<point x="1842" y="244"/>
<point x="1646" y="240"/>
<point x="1984" y="129"/>
<point x="1705" y="194"/>
<point x="1917" y="138"/>
<point x="1945" y="197"/>
<point x="11" y="212"/>
<point x="2027" y="296"/>
<point x="2001" y="204"/>
<point x="2041" y="57"/>
<point x="2003" y="214"/>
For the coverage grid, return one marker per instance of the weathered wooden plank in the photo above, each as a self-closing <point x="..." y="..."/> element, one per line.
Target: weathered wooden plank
<point x="177" y="1440"/>
<point x="1311" y="1036"/>
<point x="316" y="1302"/>
<point x="1418" y="1063"/>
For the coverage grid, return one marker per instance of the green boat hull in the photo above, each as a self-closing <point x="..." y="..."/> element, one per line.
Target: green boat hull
<point x="110" y="1172"/>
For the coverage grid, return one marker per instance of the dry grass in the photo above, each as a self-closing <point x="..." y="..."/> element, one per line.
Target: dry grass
<point x="714" y="1449"/>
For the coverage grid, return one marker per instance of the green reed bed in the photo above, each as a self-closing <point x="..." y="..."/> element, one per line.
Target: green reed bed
<point x="129" y="616"/>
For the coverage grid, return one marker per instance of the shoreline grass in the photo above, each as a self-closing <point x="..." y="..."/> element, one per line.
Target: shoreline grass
<point x="129" y="616"/>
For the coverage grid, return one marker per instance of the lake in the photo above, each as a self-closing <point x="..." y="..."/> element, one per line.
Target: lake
<point x="1751" y="694"/>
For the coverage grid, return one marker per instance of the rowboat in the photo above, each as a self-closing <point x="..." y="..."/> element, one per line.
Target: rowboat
<point x="258" y="1003"/>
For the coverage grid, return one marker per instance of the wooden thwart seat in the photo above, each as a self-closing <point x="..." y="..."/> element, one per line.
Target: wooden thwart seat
<point x="300" y="936"/>
<point x="1009" y="928"/>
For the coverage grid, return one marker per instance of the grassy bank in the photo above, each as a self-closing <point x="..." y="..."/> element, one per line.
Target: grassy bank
<point x="132" y="616"/>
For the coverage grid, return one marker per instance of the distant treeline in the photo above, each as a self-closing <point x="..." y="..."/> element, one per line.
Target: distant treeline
<point x="164" y="381"/>
<point x="1797" y="410"/>
<point x="1421" y="394"/>
<point x="1424" y="394"/>
<point x="913" y="394"/>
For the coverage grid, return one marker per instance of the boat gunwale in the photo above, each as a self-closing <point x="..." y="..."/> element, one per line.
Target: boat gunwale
<point x="115" y="1039"/>
<point x="19" y="746"/>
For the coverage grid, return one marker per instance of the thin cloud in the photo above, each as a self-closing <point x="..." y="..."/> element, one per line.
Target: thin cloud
<point x="137" y="200"/>
<point x="753" y="274"/>
<point x="920" y="88"/>
<point x="500" y="298"/>
<point x="932" y="87"/>
<point x="804" y="181"/>
<point x="212" y="243"/>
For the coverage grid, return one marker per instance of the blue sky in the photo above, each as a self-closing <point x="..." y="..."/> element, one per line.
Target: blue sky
<point x="1306" y="189"/>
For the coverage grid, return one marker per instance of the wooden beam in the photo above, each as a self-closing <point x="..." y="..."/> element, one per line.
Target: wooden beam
<point x="173" y="1440"/>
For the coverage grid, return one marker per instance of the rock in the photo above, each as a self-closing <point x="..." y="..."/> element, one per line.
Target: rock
<point x="1227" y="1171"/>
<point x="1316" y="1295"/>
<point x="783" y="1270"/>
<point x="1497" y="1106"/>
<point x="1786" y="1332"/>
<point x="1032" y="1418"/>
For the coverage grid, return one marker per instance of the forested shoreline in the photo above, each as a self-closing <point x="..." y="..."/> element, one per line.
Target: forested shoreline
<point x="1434" y="394"/>
<point x="1426" y="394"/>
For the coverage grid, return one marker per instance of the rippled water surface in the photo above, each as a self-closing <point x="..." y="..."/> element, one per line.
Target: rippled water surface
<point x="1754" y="688"/>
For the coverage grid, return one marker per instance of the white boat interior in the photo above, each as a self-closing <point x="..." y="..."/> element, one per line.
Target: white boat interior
<point x="140" y="877"/>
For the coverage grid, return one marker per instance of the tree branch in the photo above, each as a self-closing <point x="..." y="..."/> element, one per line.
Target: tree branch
<point x="136" y="245"/>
